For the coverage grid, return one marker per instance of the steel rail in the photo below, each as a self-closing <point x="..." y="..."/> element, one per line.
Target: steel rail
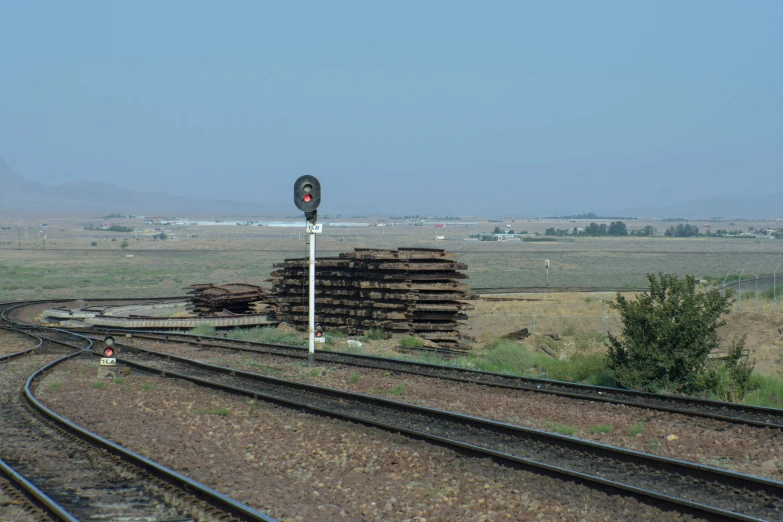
<point x="758" y="416"/>
<point x="344" y="406"/>
<point x="37" y="497"/>
<point x="190" y="486"/>
<point x="22" y="352"/>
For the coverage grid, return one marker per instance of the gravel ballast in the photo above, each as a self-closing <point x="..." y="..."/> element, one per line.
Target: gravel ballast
<point x="747" y="449"/>
<point x="298" y="466"/>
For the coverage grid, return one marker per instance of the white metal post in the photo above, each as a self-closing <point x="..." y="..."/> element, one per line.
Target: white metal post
<point x="739" y="291"/>
<point x="311" y="300"/>
<point x="774" y="289"/>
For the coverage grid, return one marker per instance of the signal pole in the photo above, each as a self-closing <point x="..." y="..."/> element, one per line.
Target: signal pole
<point x="307" y="197"/>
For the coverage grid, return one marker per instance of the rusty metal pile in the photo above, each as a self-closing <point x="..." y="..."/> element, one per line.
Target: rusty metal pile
<point x="225" y="300"/>
<point x="409" y="291"/>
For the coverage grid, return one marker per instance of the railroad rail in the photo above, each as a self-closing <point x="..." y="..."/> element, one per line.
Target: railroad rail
<point x="710" y="492"/>
<point x="54" y="462"/>
<point x="725" y="411"/>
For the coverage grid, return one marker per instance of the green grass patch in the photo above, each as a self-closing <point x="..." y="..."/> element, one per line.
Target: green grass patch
<point x="146" y="387"/>
<point x="99" y="385"/>
<point x="54" y="386"/>
<point x="411" y="342"/>
<point x="354" y="378"/>
<point x="601" y="428"/>
<point x="562" y="429"/>
<point x="505" y="356"/>
<point x="764" y="390"/>
<point x="654" y="445"/>
<point x="119" y="380"/>
<point x="636" y="429"/>
<point x="374" y="335"/>
<point x="397" y="391"/>
<point x="206" y="330"/>
<point x="269" y="335"/>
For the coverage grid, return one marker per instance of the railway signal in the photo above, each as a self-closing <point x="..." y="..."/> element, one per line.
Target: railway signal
<point x="109" y="352"/>
<point x="307" y="197"/>
<point x="318" y="331"/>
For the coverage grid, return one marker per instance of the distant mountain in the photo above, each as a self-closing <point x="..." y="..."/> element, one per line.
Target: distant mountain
<point x="18" y="195"/>
<point x="763" y="206"/>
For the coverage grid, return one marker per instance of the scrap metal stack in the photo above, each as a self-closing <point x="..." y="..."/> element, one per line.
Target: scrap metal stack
<point x="230" y="299"/>
<point x="410" y="291"/>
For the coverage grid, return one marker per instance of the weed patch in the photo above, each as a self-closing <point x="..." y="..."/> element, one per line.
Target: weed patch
<point x="99" y="385"/>
<point x="636" y="429"/>
<point x="562" y="429"/>
<point x="601" y="428"/>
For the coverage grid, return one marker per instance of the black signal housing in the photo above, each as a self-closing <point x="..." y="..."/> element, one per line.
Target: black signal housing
<point x="307" y="196"/>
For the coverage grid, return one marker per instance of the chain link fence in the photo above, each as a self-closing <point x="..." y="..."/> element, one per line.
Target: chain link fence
<point x="755" y="292"/>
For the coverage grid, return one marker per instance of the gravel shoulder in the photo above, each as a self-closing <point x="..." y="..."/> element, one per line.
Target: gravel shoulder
<point x="756" y="451"/>
<point x="12" y="342"/>
<point x="298" y="466"/>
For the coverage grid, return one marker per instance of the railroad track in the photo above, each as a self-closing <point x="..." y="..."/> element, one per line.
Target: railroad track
<point x="709" y="492"/>
<point x="725" y="411"/>
<point x="67" y="473"/>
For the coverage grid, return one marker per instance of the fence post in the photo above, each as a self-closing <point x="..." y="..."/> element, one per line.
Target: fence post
<point x="534" y="319"/>
<point x="757" y="288"/>
<point x="739" y="291"/>
<point x="606" y="317"/>
<point x="723" y="285"/>
<point x="774" y="289"/>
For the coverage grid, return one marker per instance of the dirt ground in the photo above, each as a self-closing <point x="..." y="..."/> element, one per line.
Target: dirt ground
<point x="572" y="314"/>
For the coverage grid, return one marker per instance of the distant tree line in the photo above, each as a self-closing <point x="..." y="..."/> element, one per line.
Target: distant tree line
<point x="591" y="215"/>
<point x="113" y="228"/>
<point x="682" y="231"/>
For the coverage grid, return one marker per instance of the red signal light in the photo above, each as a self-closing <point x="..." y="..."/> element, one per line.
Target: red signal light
<point x="108" y="352"/>
<point x="307" y="198"/>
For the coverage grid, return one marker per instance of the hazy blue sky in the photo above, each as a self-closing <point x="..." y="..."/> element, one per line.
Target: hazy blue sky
<point x="527" y="107"/>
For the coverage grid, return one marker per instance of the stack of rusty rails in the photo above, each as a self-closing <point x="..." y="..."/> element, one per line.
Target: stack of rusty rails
<point x="409" y="291"/>
<point x="225" y="300"/>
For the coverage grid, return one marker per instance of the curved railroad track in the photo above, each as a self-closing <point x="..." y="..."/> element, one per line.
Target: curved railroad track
<point x="706" y="491"/>
<point x="726" y="411"/>
<point x="67" y="473"/>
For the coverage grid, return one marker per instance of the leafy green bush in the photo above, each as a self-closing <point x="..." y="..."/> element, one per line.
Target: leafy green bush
<point x="667" y="334"/>
<point x="728" y="380"/>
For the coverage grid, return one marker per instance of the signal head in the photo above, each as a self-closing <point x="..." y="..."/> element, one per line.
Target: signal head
<point x="108" y="350"/>
<point x="318" y="329"/>
<point x="307" y="193"/>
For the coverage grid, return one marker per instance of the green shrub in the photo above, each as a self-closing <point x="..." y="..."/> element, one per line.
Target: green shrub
<point x="99" y="385"/>
<point x="728" y="380"/>
<point x="667" y="335"/>
<point x="601" y="428"/>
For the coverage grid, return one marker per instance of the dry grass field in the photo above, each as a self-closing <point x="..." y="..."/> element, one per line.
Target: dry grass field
<point x="66" y="264"/>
